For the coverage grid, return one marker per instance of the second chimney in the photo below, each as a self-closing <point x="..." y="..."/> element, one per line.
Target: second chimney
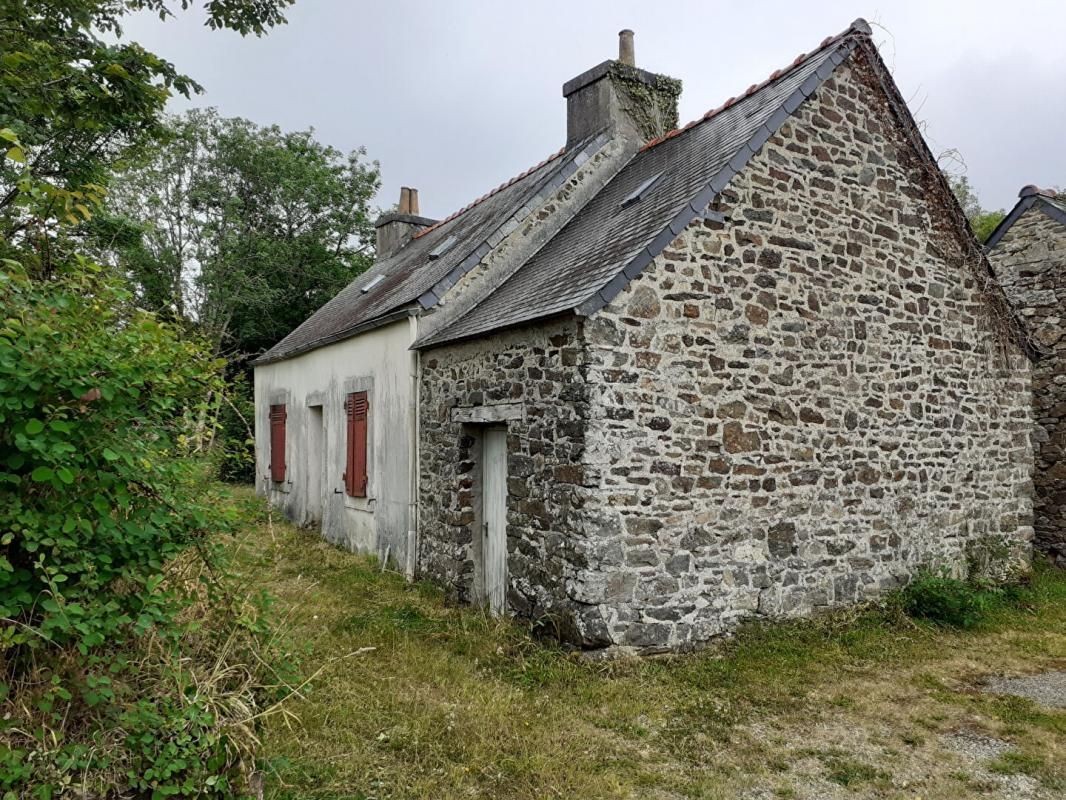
<point x="395" y="229"/>
<point x="619" y="97"/>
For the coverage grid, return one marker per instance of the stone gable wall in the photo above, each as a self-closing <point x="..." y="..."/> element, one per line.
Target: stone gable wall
<point x="801" y="407"/>
<point x="793" y="410"/>
<point x="1030" y="263"/>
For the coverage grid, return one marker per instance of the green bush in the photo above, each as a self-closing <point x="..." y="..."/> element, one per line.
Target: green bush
<point x="948" y="601"/>
<point x="95" y="406"/>
<point x="129" y="664"/>
<point x="236" y="442"/>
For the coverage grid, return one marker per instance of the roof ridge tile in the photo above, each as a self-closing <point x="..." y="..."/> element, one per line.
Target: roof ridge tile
<point x="859" y="26"/>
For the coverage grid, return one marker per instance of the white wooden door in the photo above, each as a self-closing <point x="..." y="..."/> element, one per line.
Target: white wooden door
<point x="494" y="513"/>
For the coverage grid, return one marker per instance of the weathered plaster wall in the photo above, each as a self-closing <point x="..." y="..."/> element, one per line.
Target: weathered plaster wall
<point x="530" y="229"/>
<point x="380" y="362"/>
<point x="541" y="368"/>
<point x="799" y="408"/>
<point x="1030" y="263"/>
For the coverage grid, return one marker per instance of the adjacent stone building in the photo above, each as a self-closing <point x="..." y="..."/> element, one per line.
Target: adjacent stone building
<point x="674" y="377"/>
<point x="1028" y="254"/>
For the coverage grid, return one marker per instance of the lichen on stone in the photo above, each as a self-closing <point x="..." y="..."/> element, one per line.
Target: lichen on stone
<point x="652" y="106"/>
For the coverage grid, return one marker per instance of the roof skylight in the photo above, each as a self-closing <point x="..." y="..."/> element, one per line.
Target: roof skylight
<point x="372" y="283"/>
<point x="638" y="194"/>
<point x="442" y="248"/>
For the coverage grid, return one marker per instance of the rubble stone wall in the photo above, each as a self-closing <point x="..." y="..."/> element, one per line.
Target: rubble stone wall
<point x="539" y="369"/>
<point x="791" y="410"/>
<point x="1030" y="263"/>
<point x="803" y="406"/>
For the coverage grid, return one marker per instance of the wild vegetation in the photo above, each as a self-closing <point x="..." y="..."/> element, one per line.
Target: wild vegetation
<point x="236" y="233"/>
<point x="416" y="698"/>
<point x="982" y="221"/>
<point x="129" y="664"/>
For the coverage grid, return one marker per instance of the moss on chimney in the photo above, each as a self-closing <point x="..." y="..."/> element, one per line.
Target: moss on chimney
<point x="653" y="108"/>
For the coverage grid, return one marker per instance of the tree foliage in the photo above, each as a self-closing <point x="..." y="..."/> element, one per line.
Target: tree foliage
<point x="113" y="680"/>
<point x="75" y="102"/>
<point x="113" y="686"/>
<point x="241" y="231"/>
<point x="95" y="403"/>
<point x="982" y="221"/>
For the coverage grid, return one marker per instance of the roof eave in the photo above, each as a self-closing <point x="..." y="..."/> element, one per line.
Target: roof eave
<point x="363" y="327"/>
<point x="1005" y="224"/>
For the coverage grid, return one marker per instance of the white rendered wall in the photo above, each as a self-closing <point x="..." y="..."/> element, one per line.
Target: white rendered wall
<point x="380" y="363"/>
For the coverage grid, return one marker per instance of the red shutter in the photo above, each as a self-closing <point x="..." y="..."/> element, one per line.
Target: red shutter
<point x="355" y="477"/>
<point x="277" y="443"/>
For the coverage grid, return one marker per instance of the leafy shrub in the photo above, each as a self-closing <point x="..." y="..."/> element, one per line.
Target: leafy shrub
<point x="93" y="497"/>
<point x="948" y="601"/>
<point x="129" y="664"/>
<point x="236" y="443"/>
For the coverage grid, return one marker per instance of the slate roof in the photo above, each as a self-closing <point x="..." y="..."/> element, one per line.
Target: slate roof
<point x="1051" y="204"/>
<point x="607" y="244"/>
<point x="412" y="278"/>
<point x="601" y="249"/>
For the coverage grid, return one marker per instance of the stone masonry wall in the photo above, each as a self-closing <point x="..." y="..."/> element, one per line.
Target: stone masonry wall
<point x="1030" y="263"/>
<point x="800" y="407"/>
<point x="542" y="368"/>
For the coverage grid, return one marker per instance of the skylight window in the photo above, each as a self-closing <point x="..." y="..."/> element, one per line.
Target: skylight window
<point x="638" y="194"/>
<point x="373" y="282"/>
<point x="442" y="248"/>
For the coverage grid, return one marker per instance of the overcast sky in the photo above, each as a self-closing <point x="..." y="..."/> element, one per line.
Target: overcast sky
<point x="455" y="97"/>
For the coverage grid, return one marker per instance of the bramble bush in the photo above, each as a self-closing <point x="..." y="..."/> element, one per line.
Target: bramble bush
<point x="129" y="665"/>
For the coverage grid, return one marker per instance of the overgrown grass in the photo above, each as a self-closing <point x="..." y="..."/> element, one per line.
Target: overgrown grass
<point x="452" y="703"/>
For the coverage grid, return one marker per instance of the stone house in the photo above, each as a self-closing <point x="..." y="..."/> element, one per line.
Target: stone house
<point x="1028" y="254"/>
<point x="670" y="378"/>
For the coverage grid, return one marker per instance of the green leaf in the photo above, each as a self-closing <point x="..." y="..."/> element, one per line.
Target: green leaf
<point x="34" y="426"/>
<point x="42" y="474"/>
<point x="65" y="475"/>
<point x="16" y="153"/>
<point x="110" y="454"/>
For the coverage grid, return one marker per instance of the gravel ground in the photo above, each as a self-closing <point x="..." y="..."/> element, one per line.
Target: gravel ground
<point x="1046" y="689"/>
<point x="975" y="746"/>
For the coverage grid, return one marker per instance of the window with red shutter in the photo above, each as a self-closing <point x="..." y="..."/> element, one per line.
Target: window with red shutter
<point x="355" y="473"/>
<point x="277" y="443"/>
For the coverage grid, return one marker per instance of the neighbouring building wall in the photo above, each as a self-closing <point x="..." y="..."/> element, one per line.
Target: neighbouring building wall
<point x="801" y="407"/>
<point x="538" y="369"/>
<point x="1030" y="263"/>
<point x="313" y="387"/>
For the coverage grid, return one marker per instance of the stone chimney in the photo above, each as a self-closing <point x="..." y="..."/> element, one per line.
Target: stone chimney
<point x="619" y="97"/>
<point x="396" y="229"/>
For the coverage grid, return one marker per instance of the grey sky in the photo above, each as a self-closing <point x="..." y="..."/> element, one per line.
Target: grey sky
<point x="456" y="97"/>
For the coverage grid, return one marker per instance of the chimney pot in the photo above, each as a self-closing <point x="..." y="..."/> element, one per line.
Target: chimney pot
<point x="625" y="48"/>
<point x="405" y="200"/>
<point x="413" y="201"/>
